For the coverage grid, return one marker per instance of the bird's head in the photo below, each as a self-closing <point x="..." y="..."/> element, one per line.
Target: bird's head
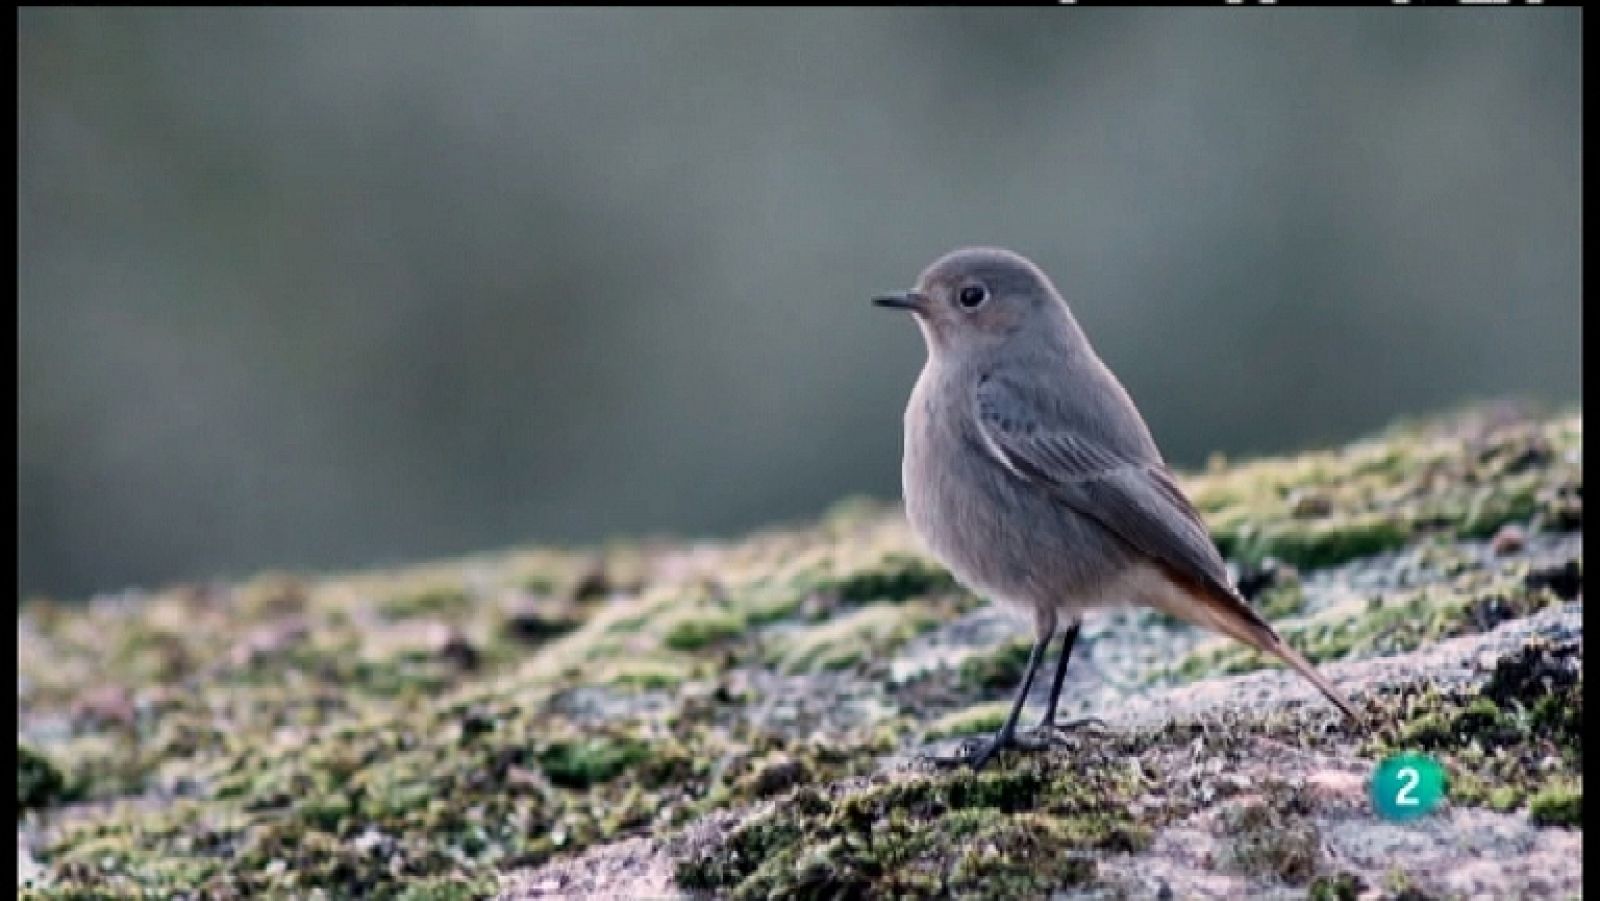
<point x="982" y="299"/>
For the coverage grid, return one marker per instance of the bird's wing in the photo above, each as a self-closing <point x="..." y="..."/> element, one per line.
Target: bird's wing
<point x="1135" y="499"/>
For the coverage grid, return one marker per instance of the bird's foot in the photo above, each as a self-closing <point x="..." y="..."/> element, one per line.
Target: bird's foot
<point x="1063" y="729"/>
<point x="978" y="754"/>
<point x="1064" y="733"/>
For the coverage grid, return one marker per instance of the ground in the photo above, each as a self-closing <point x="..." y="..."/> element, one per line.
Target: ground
<point x="752" y="718"/>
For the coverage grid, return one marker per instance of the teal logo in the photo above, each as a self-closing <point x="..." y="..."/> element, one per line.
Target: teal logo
<point x="1407" y="786"/>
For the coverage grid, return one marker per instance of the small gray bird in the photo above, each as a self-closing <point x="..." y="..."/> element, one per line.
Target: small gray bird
<point x="1030" y="474"/>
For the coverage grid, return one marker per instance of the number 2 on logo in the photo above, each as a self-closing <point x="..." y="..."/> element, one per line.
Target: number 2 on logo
<point x="1409" y="777"/>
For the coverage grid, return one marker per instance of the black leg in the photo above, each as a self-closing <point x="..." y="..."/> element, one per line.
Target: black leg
<point x="1009" y="730"/>
<point x="1067" y="641"/>
<point x="1048" y="721"/>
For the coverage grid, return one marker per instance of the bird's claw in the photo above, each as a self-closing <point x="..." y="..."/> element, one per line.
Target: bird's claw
<point x="978" y="755"/>
<point x="1038" y="739"/>
<point x="1060" y="731"/>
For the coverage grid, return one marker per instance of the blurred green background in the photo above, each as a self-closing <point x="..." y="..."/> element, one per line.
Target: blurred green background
<point x="318" y="289"/>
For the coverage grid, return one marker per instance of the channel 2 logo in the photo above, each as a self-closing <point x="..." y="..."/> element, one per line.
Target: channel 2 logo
<point x="1407" y="786"/>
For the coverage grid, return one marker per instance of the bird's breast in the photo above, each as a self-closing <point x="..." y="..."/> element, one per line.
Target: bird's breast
<point x="1001" y="536"/>
<point x="956" y="498"/>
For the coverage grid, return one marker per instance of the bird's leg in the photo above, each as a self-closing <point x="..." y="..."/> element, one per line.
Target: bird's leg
<point x="1048" y="721"/>
<point x="1008" y="731"/>
<point x="1067" y="641"/>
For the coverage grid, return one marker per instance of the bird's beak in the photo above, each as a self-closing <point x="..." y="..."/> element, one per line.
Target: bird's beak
<point x="910" y="300"/>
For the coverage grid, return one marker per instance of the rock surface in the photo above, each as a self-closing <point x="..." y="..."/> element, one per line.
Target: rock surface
<point x="752" y="719"/>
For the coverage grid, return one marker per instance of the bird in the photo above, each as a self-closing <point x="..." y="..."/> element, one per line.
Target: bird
<point x="1028" y="472"/>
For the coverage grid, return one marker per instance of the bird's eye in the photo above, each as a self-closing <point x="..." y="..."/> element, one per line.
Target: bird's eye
<point x="972" y="295"/>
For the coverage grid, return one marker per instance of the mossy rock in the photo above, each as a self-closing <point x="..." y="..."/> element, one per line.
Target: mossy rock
<point x="587" y="762"/>
<point x="1379" y="625"/>
<point x="693" y="630"/>
<point x="1560" y="804"/>
<point x="398" y="734"/>
<point x="854" y="637"/>
<point x="980" y="719"/>
<point x="39" y="782"/>
<point x="1016" y="832"/>
<point x="1459" y="481"/>
<point x="898" y="577"/>
<point x="999" y="669"/>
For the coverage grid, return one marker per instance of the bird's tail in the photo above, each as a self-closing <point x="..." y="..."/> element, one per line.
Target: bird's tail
<point x="1232" y="616"/>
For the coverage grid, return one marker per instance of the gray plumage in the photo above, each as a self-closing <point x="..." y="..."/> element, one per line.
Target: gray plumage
<point x="1029" y="472"/>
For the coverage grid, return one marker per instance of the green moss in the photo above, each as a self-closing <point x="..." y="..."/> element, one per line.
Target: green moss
<point x="1560" y="718"/>
<point x="1324" y="509"/>
<point x="899" y="577"/>
<point x="695" y="629"/>
<point x="1383" y="625"/>
<point x="1338" y="887"/>
<point x="447" y="888"/>
<point x="1272" y="838"/>
<point x="976" y="720"/>
<point x="775" y="773"/>
<point x="765" y="603"/>
<point x="1427" y="730"/>
<point x="1500" y="503"/>
<point x="452" y="797"/>
<point x="539" y="583"/>
<point x="152" y="654"/>
<point x="1480" y="720"/>
<point x="1021" y="856"/>
<point x="1284" y="598"/>
<point x="1315" y="544"/>
<point x="649" y="672"/>
<point x="1559" y="804"/>
<point x="859" y="636"/>
<point x="533" y="627"/>
<point x="1498" y="744"/>
<point x="39" y="782"/>
<point x="999" y="669"/>
<point x="1399" y="884"/>
<point x="1503" y="798"/>
<point x="327" y="812"/>
<point x="448" y="601"/>
<point x="743" y="853"/>
<point x="1024" y="830"/>
<point x="586" y="762"/>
